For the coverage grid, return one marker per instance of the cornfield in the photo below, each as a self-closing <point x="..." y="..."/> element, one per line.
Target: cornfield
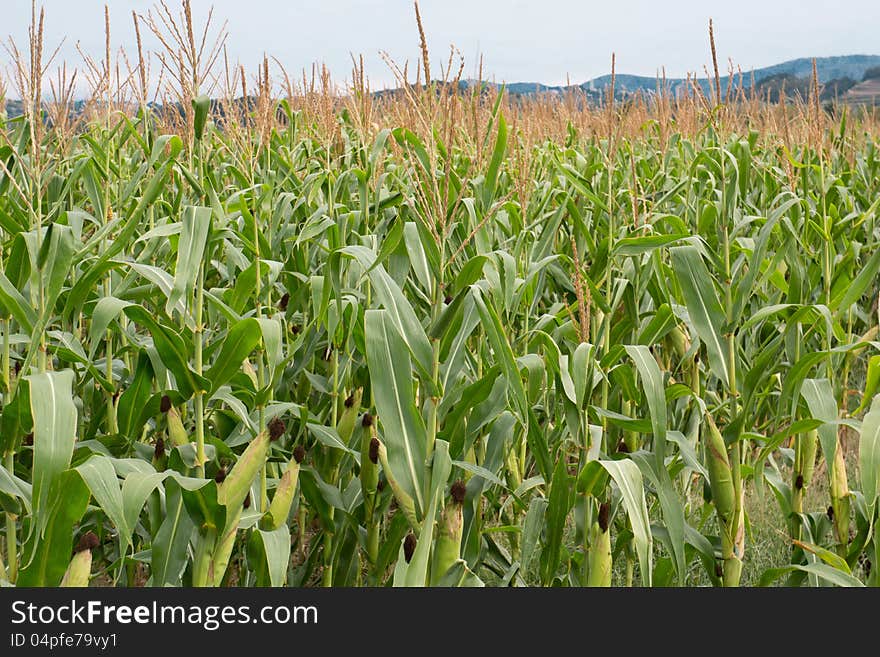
<point x="431" y="337"/>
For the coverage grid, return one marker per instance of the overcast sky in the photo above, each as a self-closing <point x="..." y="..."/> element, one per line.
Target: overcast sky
<point x="520" y="40"/>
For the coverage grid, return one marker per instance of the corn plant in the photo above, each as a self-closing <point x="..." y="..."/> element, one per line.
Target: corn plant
<point x="441" y="337"/>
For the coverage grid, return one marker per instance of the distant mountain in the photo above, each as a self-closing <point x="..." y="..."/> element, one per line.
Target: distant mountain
<point x="829" y="69"/>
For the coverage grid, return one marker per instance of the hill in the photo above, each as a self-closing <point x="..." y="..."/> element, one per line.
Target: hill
<point x="827" y="68"/>
<point x="864" y="93"/>
<point x="838" y="74"/>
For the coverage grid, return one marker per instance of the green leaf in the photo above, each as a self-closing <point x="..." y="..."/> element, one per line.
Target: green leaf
<point x="872" y="382"/>
<point x="455" y="345"/>
<point x="15" y="487"/>
<point x="671" y="507"/>
<point x="328" y="436"/>
<point x="821" y="570"/>
<point x="703" y="306"/>
<point x="831" y="558"/>
<point x="592" y="478"/>
<point x="136" y="488"/>
<point x="87" y="283"/>
<point x="196" y="225"/>
<point x="655" y="395"/>
<point x="582" y="372"/>
<point x="635" y="246"/>
<point x="54" y="414"/>
<point x="860" y="284"/>
<point x="165" y="282"/>
<point x="558" y="507"/>
<point x="400" y="313"/>
<point x="532" y="526"/>
<point x="172" y="351"/>
<point x="417" y="257"/>
<point x="13" y="303"/>
<point x="15" y="420"/>
<point x="503" y="352"/>
<point x="135" y="397"/>
<point x="459" y="576"/>
<point x="56" y="257"/>
<point x="479" y="471"/>
<point x="170" y="544"/>
<point x="820" y="399"/>
<point x="469" y="274"/>
<point x="403" y="427"/>
<point x="272" y="344"/>
<point x="206" y="507"/>
<point x="497" y="158"/>
<point x="628" y="478"/>
<point x="869" y="456"/>
<point x="242" y="338"/>
<point x="47" y="554"/>
<point x="106" y="310"/>
<point x="268" y="555"/>
<point x="100" y="477"/>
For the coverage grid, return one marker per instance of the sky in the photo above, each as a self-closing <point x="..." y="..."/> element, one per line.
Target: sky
<point x="546" y="41"/>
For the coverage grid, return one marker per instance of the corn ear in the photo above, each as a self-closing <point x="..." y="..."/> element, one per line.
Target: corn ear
<point x="404" y="501"/>
<point x="806" y="447"/>
<point x="720" y="475"/>
<point x="840" y="501"/>
<point x="630" y="438"/>
<point x="513" y="477"/>
<point x="728" y="504"/>
<point x="79" y="570"/>
<point x="250" y="372"/>
<point x="345" y="425"/>
<point x="176" y="432"/>
<point x="679" y="341"/>
<point x="808" y="457"/>
<point x="839" y="483"/>
<point x="279" y="509"/>
<point x="599" y="559"/>
<point x="238" y="482"/>
<point x="447" y="548"/>
<point x="160" y="459"/>
<point x="223" y="550"/>
<point x="369" y="474"/>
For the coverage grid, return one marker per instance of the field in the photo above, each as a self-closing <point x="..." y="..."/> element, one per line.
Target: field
<point x="432" y="337"/>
